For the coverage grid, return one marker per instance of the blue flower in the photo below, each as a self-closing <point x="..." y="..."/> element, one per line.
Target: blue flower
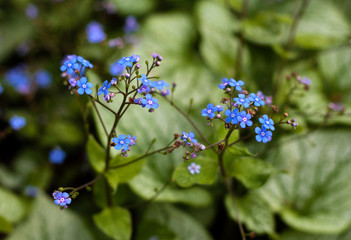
<point x="232" y="116"/>
<point x="104" y="89"/>
<point x="159" y="85"/>
<point x="116" y="68"/>
<point x="139" y="102"/>
<point x="256" y="100"/>
<point x="165" y="92"/>
<point x="267" y="122"/>
<point x="144" y="80"/>
<point x="150" y="102"/>
<point x="70" y="65"/>
<point x="194" y="168"/>
<point x="95" y="32"/>
<point x="128" y="61"/>
<point x="241" y="100"/>
<point x="188" y="138"/>
<point x="236" y="84"/>
<point x="121" y="142"/>
<point x="1" y="89"/>
<point x="32" y="11"/>
<point x="131" y="25"/>
<point x="19" y="78"/>
<point x="84" y="86"/>
<point x="209" y="111"/>
<point x="224" y="84"/>
<point x="132" y="140"/>
<point x="17" y="122"/>
<point x="43" y="78"/>
<point x="57" y="156"/>
<point x="61" y="198"/>
<point x="144" y="89"/>
<point x="263" y="135"/>
<point x="244" y="119"/>
<point x="219" y="108"/>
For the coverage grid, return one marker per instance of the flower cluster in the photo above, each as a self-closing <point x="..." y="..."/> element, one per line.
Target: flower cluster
<point x="241" y="110"/>
<point x="61" y="199"/>
<point x="25" y="82"/>
<point x="189" y="140"/>
<point x="123" y="143"/>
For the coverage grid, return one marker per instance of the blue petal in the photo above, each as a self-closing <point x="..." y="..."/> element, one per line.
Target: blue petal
<point x="88" y="91"/>
<point x="258" y="138"/>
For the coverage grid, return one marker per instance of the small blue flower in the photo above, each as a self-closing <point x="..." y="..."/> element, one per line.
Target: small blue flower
<point x="32" y="11"/>
<point x="139" y="102"/>
<point x="84" y="86"/>
<point x="209" y="111"/>
<point x="57" y="156"/>
<point x="244" y="119"/>
<point x="144" y="89"/>
<point x="224" y="83"/>
<point x="116" y="68"/>
<point x="62" y="198"/>
<point x="134" y="58"/>
<point x="104" y="89"/>
<point x="95" y="32"/>
<point x="241" y="100"/>
<point x="128" y="61"/>
<point x="263" y="135"/>
<point x="159" y="85"/>
<point x="131" y="25"/>
<point x="17" y="122"/>
<point x="304" y="80"/>
<point x="232" y="116"/>
<point x="219" y="108"/>
<point x="70" y="65"/>
<point x="256" y="100"/>
<point x="43" y="78"/>
<point x="188" y="138"/>
<point x="236" y="84"/>
<point x="144" y="80"/>
<point x="132" y="140"/>
<point x="193" y="168"/>
<point x="165" y="92"/>
<point x="1" y="89"/>
<point x="267" y="122"/>
<point x="19" y="78"/>
<point x="121" y="142"/>
<point x="150" y="102"/>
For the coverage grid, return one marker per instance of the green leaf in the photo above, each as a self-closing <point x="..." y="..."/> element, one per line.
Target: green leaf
<point x="115" y="222"/>
<point x="215" y="16"/>
<point x="96" y="155"/>
<point x="12" y="208"/>
<point x="315" y="196"/>
<point x="240" y="151"/>
<point x="149" y="229"/>
<point x="267" y="28"/>
<point x="5" y="226"/>
<point x="253" y="212"/>
<point x="207" y="175"/>
<point x="314" y="31"/>
<point x="127" y="172"/>
<point x="253" y="173"/>
<point x="292" y="235"/>
<point x="48" y="222"/>
<point x="136" y="7"/>
<point x="177" y="221"/>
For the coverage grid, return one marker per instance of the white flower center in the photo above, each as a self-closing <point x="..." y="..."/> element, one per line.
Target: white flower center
<point x="84" y="86"/>
<point x="121" y="142"/>
<point x="209" y="111"/>
<point x="150" y="102"/>
<point x="244" y="119"/>
<point x="263" y="133"/>
<point x="267" y="122"/>
<point x="62" y="199"/>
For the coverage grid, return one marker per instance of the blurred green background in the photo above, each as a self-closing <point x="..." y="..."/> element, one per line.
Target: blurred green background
<point x="307" y="196"/>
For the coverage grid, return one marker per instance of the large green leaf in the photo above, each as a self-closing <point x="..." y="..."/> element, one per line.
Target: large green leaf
<point x="96" y="155"/>
<point x="48" y="222"/>
<point x="253" y="212"/>
<point x="315" y="31"/>
<point x="136" y="7"/>
<point x="115" y="222"/>
<point x="315" y="196"/>
<point x="207" y="173"/>
<point x="12" y="208"/>
<point x="5" y="226"/>
<point x="253" y="173"/>
<point x="292" y="235"/>
<point x="176" y="221"/>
